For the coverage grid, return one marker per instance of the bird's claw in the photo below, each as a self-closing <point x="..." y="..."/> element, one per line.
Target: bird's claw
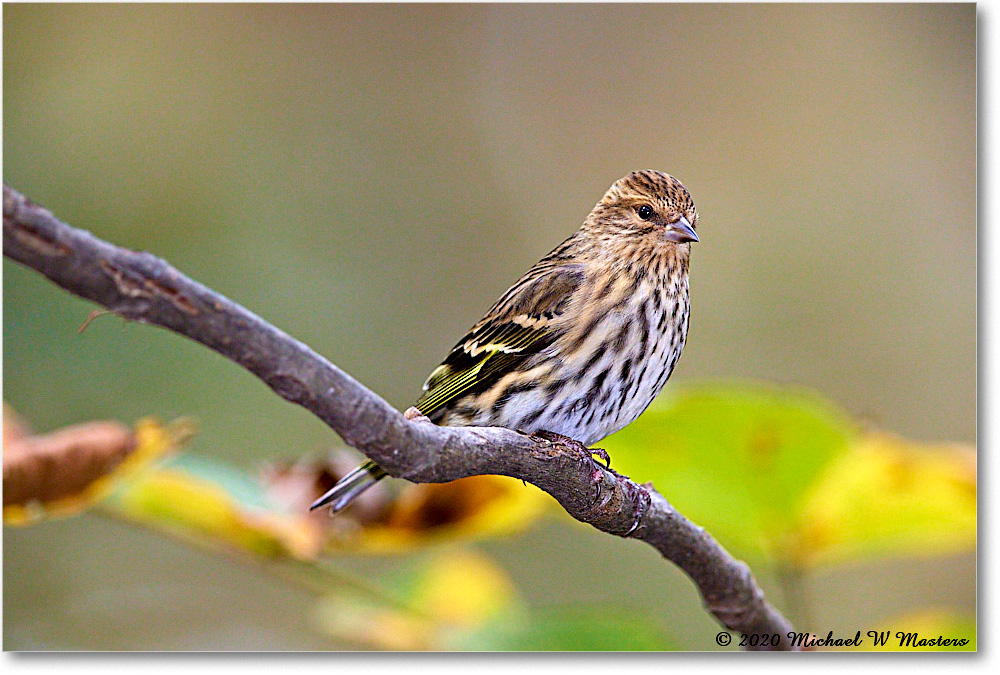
<point x="603" y="454"/>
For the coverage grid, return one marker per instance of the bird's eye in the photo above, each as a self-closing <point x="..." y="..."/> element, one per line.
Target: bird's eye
<point x="645" y="211"/>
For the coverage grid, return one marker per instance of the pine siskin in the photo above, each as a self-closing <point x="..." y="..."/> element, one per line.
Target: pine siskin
<point x="585" y="340"/>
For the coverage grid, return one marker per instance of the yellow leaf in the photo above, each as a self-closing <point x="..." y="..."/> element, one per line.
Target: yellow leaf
<point x="179" y="501"/>
<point x="426" y="514"/>
<point x="885" y="496"/>
<point x="464" y="588"/>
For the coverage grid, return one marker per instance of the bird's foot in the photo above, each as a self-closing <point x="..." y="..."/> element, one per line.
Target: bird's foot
<point x="603" y="454"/>
<point x="553" y="437"/>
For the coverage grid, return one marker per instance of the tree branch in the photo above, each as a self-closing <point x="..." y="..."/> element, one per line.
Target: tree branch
<point x="144" y="288"/>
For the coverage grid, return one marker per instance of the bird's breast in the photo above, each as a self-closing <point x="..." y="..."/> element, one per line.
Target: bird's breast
<point x="602" y="374"/>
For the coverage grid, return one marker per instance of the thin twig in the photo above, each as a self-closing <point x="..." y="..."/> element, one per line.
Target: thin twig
<point x="141" y="287"/>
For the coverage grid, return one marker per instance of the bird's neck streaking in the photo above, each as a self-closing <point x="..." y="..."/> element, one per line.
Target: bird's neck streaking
<point x="642" y="256"/>
<point x="629" y="325"/>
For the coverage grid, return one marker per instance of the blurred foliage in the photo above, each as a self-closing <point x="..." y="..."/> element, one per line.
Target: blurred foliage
<point x="777" y="474"/>
<point x="889" y="496"/>
<point x="151" y="442"/>
<point x="200" y="496"/>
<point x="469" y="508"/>
<point x="780" y="475"/>
<point x="193" y="496"/>
<point x="458" y="600"/>
<point x="736" y="459"/>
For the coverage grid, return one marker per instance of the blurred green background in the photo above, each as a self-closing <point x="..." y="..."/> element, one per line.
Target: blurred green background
<point x="371" y="178"/>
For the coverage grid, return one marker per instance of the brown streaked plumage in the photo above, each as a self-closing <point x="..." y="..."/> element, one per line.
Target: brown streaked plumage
<point x="582" y="343"/>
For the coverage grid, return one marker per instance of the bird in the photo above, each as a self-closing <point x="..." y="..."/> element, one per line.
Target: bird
<point x="584" y="341"/>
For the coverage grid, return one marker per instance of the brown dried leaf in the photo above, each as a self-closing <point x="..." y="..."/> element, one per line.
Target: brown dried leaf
<point x="63" y="463"/>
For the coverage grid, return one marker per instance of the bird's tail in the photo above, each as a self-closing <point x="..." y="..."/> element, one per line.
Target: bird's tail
<point x="350" y="486"/>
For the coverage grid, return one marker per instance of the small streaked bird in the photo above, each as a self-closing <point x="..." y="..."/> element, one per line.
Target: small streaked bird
<point x="583" y="342"/>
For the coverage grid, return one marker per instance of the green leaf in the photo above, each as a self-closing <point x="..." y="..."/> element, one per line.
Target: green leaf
<point x="737" y="459"/>
<point x="241" y="486"/>
<point x="782" y="475"/>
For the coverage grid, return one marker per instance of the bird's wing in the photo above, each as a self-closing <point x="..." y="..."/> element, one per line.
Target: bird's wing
<point x="519" y="324"/>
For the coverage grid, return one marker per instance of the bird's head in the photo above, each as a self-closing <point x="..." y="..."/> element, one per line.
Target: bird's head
<point x="647" y="204"/>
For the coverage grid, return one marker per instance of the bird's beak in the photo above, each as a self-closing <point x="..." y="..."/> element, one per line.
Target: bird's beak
<point x="681" y="231"/>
